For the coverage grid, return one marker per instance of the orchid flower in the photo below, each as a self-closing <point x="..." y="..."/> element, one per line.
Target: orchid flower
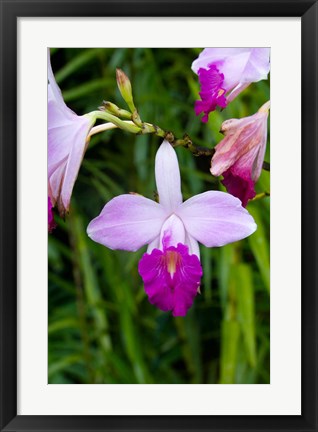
<point x="225" y="72"/>
<point x="239" y="156"/>
<point x="67" y="143"/>
<point x="171" y="269"/>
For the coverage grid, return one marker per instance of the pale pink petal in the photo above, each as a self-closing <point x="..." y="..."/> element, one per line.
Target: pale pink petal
<point x="211" y="55"/>
<point x="193" y="245"/>
<point x="172" y="232"/>
<point x="233" y="69"/>
<point x="241" y="135"/>
<point x="67" y="142"/>
<point x="168" y="177"/>
<point x="216" y="218"/>
<point x="54" y="92"/>
<point x="236" y="91"/>
<point x="239" y="156"/>
<point x="127" y="222"/>
<point x="259" y="159"/>
<point x="55" y="182"/>
<point x="155" y="244"/>
<point x="74" y="161"/>
<point x="63" y="138"/>
<point x="258" y="65"/>
<point x="239" y="178"/>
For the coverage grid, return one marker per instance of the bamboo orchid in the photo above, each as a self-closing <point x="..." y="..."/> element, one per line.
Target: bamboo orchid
<point x="225" y="72"/>
<point x="171" y="269"/>
<point x="239" y="156"/>
<point x="67" y="143"/>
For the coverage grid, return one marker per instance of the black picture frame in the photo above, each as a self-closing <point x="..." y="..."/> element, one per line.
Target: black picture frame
<point x="10" y="11"/>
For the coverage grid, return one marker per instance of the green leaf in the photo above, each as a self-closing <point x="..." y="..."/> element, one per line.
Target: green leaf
<point x="86" y="88"/>
<point x="77" y="63"/>
<point x="259" y="244"/>
<point x="229" y="346"/>
<point x="246" y="309"/>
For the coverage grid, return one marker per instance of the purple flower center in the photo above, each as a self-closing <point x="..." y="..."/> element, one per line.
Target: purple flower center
<point x="171" y="278"/>
<point x="212" y="93"/>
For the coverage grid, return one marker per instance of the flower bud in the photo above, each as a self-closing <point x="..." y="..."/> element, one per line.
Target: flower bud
<point x="115" y="110"/>
<point x="125" y="89"/>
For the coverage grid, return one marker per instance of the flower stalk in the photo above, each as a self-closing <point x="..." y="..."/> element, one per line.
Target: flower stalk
<point x="114" y="122"/>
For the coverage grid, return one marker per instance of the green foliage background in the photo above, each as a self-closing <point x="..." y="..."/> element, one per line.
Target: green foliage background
<point x="101" y="327"/>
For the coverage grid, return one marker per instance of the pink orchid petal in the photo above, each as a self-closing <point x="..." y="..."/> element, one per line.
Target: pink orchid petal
<point x="242" y="136"/>
<point x="172" y="232"/>
<point x="56" y="181"/>
<point x="155" y="244"/>
<point x="216" y="218"/>
<point x="242" y="175"/>
<point x="233" y="69"/>
<point x="62" y="131"/>
<point x="67" y="142"/>
<point x="213" y="55"/>
<point x="239" y="156"/>
<point x="171" y="278"/>
<point x="168" y="177"/>
<point x="54" y="92"/>
<point x="236" y="91"/>
<point x="258" y="66"/>
<point x="259" y="158"/>
<point x="127" y="222"/>
<point x="74" y="161"/>
<point x="193" y="245"/>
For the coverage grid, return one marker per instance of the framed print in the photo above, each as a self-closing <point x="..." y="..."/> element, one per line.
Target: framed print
<point x="151" y="102"/>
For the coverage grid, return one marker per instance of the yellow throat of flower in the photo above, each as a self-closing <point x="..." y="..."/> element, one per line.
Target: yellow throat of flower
<point x="173" y="259"/>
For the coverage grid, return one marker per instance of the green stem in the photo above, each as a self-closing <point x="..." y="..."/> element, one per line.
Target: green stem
<point x="260" y="196"/>
<point x="148" y="128"/>
<point x="122" y="124"/>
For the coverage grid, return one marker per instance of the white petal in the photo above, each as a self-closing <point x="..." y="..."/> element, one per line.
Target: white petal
<point x="155" y="244"/>
<point x="168" y="177"/>
<point x="172" y="232"/>
<point x="193" y="245"/>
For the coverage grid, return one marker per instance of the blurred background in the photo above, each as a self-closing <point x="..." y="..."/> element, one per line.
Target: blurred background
<point x="101" y="327"/>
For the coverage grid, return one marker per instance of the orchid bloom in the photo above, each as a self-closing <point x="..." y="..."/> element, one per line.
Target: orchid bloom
<point x="51" y="223"/>
<point x="225" y="72"/>
<point x="171" y="269"/>
<point x="239" y="156"/>
<point x="67" y="142"/>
